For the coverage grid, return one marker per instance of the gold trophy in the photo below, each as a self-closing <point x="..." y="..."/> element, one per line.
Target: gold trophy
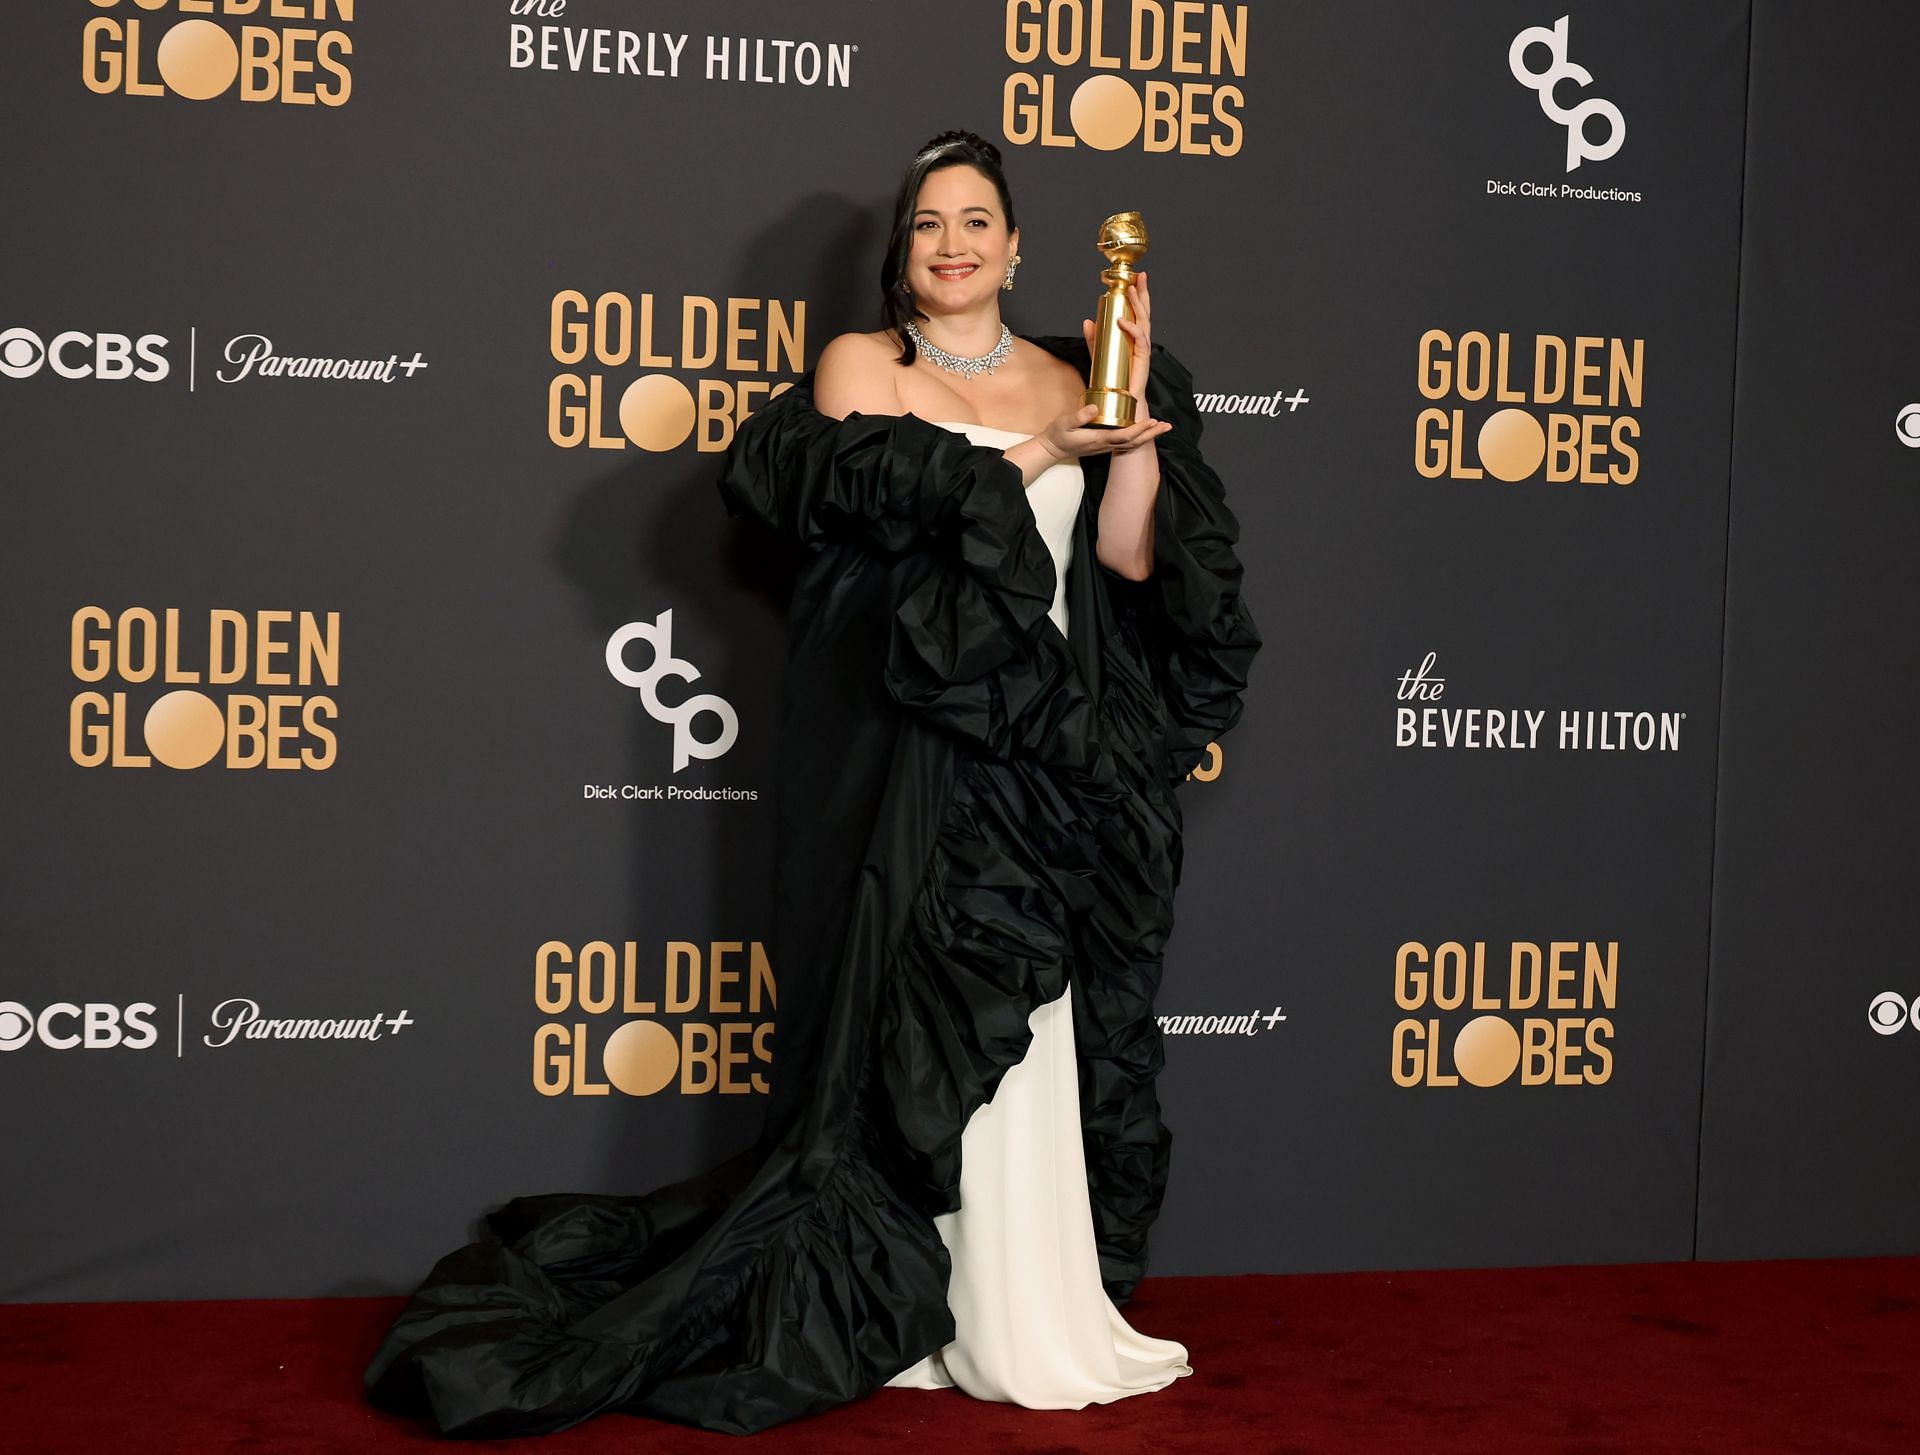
<point x="1123" y="238"/>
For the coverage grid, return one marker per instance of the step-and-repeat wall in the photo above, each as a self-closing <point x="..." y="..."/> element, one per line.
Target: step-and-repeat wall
<point x="391" y="704"/>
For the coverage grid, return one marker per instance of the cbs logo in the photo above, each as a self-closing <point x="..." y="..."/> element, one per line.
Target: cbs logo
<point x="77" y="355"/>
<point x="1888" y="1012"/>
<point x="64" y="1025"/>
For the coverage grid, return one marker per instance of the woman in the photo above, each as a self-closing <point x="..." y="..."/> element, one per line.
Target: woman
<point x="1012" y="637"/>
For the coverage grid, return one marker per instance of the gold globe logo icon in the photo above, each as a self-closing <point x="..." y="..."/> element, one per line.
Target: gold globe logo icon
<point x="1512" y="444"/>
<point x="1106" y="113"/>
<point x="198" y="60"/>
<point x="642" y="1057"/>
<point x="184" y="729"/>
<point x="657" y="412"/>
<point x="1487" y="1051"/>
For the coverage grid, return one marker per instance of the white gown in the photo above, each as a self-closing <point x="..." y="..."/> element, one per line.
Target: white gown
<point x="1033" y="1324"/>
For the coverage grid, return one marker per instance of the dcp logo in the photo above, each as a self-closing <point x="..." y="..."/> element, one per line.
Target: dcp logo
<point x="659" y="635"/>
<point x="1574" y="119"/>
<point x="77" y="355"/>
<point x="1888" y="1012"/>
<point x="64" y="1025"/>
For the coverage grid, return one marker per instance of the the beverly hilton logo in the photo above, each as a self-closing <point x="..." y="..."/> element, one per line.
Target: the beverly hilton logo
<point x="1424" y="719"/>
<point x="294" y="52"/>
<point x="560" y="35"/>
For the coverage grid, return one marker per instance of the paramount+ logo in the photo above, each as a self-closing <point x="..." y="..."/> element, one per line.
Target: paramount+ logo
<point x="1111" y="74"/>
<point x="221" y="668"/>
<point x="1564" y="410"/>
<point x="629" y="359"/>
<point x="1545" y="1020"/>
<point x="155" y="48"/>
<point x="698" y="1020"/>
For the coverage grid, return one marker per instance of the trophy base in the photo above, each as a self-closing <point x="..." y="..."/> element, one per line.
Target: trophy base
<point x="1116" y="408"/>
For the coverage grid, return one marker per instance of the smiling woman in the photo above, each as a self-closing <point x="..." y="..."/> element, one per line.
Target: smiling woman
<point x="945" y="354"/>
<point x="1013" y="637"/>
<point x="1033" y="1324"/>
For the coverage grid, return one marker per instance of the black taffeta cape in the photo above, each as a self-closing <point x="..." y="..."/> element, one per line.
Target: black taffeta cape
<point x="974" y="812"/>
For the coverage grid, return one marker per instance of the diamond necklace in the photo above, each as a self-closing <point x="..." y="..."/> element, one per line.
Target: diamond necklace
<point x="969" y="368"/>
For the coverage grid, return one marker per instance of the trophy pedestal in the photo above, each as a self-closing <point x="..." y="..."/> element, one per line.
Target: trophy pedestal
<point x="1116" y="408"/>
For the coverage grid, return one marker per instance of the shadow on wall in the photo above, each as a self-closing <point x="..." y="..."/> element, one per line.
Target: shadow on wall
<point x="651" y="534"/>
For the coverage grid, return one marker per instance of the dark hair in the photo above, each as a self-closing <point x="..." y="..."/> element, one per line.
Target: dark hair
<point x="949" y="149"/>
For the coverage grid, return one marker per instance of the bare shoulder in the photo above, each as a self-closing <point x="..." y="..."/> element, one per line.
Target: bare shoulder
<point x="856" y="374"/>
<point x="1052" y="376"/>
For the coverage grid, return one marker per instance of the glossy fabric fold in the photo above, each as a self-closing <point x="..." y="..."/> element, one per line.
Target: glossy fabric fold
<point x="975" y="814"/>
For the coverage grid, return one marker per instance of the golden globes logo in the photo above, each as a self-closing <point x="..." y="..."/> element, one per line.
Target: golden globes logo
<point x="746" y="340"/>
<point x="132" y="51"/>
<point x="209" y="714"/>
<point x="1158" y="72"/>
<point x="1541" y="1019"/>
<point x="1563" y="410"/>
<point x="720" y="1000"/>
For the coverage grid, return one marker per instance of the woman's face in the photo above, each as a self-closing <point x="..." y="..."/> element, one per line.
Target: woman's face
<point x="960" y="241"/>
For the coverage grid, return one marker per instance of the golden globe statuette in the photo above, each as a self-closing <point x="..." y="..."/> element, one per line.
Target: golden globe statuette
<point x="1123" y="238"/>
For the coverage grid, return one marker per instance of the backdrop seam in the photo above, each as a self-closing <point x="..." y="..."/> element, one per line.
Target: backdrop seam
<point x="1726" y="563"/>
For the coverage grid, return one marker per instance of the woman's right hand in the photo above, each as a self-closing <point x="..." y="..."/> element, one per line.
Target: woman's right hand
<point x="1071" y="437"/>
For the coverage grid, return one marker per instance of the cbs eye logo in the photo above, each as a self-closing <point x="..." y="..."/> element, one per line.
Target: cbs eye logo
<point x="1906" y="426"/>
<point x="1888" y="1012"/>
<point x="64" y="1025"/>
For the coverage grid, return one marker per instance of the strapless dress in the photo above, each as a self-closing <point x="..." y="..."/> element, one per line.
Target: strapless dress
<point x="1033" y="1323"/>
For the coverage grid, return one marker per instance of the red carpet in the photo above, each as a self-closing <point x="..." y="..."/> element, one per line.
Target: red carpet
<point x="1807" y="1356"/>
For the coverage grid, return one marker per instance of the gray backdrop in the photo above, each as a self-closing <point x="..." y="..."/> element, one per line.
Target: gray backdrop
<point x="1519" y="448"/>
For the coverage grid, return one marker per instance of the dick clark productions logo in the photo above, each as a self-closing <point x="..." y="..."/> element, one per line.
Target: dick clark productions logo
<point x="1573" y="118"/>
<point x="658" y="634"/>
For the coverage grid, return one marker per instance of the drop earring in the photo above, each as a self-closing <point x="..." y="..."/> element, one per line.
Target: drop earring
<point x="1012" y="264"/>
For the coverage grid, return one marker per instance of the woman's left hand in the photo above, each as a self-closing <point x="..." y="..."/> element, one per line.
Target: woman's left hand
<point x="1139" y="328"/>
